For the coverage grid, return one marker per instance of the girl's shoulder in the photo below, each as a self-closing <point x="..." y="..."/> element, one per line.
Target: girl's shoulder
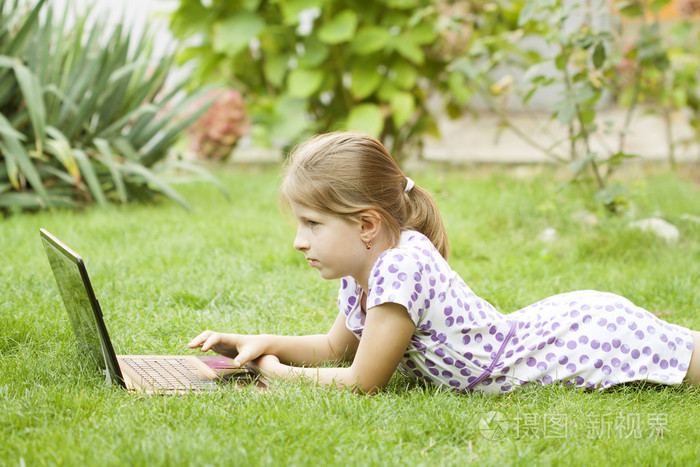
<point x="414" y="243"/>
<point x="415" y="255"/>
<point x="414" y="260"/>
<point x="414" y="247"/>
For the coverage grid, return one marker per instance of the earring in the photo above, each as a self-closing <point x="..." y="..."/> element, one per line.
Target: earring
<point x="368" y="245"/>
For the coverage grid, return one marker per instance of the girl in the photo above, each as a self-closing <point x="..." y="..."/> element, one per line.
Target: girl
<point x="362" y="221"/>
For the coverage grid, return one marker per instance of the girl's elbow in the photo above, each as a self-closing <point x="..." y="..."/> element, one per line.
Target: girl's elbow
<point x="368" y="384"/>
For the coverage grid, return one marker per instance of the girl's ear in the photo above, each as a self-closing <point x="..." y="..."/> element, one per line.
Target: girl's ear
<point x="370" y="223"/>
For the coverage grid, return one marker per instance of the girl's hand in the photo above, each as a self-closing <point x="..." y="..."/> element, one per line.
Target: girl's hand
<point x="242" y="348"/>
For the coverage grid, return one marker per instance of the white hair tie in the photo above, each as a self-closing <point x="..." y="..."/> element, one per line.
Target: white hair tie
<point x="409" y="185"/>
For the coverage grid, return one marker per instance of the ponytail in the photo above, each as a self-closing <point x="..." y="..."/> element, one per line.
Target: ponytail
<point x="425" y="218"/>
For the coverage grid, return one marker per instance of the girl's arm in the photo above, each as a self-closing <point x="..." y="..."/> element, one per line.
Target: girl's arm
<point x="338" y="345"/>
<point x="386" y="335"/>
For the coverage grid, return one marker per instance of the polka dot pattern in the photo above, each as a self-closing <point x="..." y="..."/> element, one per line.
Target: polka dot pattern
<point x="586" y="338"/>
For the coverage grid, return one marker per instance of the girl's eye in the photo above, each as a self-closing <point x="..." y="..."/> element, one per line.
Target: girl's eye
<point x="312" y="223"/>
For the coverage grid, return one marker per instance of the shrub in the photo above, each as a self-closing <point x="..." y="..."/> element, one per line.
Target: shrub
<point x="85" y="115"/>
<point x="309" y="66"/>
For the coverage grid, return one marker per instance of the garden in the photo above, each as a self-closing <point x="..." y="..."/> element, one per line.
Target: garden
<point x="134" y="166"/>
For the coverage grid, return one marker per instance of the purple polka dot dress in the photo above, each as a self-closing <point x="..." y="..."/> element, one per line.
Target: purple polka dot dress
<point x="586" y="338"/>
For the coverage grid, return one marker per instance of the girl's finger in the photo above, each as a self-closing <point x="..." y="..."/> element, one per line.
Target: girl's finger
<point x="210" y="342"/>
<point x="197" y="341"/>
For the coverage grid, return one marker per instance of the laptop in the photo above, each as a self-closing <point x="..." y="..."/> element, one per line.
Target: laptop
<point x="160" y="374"/>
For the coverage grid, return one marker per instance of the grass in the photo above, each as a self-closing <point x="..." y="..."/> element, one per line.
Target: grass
<point x="162" y="275"/>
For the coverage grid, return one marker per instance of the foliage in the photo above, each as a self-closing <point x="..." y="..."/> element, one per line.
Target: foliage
<point x="582" y="58"/>
<point x="308" y="66"/>
<point x="315" y="65"/>
<point x="85" y="115"/>
<point x="216" y="132"/>
<point x="661" y="68"/>
<point x="573" y="57"/>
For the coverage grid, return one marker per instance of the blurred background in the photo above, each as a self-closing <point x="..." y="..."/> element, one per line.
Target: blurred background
<point x="100" y="98"/>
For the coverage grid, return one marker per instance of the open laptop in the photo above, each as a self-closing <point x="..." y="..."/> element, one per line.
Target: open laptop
<point x="162" y="374"/>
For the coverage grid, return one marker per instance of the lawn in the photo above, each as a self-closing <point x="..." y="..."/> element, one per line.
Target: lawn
<point x="163" y="275"/>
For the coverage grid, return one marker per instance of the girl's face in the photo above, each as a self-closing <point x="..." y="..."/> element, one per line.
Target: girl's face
<point x="330" y="243"/>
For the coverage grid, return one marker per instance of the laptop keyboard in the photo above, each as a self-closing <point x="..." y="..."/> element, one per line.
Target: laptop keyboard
<point x="169" y="374"/>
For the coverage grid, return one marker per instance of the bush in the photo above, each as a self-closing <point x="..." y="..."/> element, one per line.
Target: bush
<point x="84" y="115"/>
<point x="310" y="66"/>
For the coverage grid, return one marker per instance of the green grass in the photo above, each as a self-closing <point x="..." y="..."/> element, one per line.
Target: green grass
<point x="163" y="275"/>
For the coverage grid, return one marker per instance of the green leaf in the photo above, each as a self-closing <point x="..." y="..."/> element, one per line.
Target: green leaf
<point x="387" y="90"/>
<point x="585" y="94"/>
<point x="466" y="67"/>
<point x="304" y="83"/>
<point x="365" y="79"/>
<point x="14" y="150"/>
<point x="402" y="4"/>
<point x="275" y="69"/>
<point x="526" y="13"/>
<point x="34" y="100"/>
<point x="315" y="53"/>
<point x="560" y="62"/>
<point x="656" y="5"/>
<point x="599" y="55"/>
<point x="58" y="146"/>
<point x="631" y="9"/>
<point x="292" y="8"/>
<point x="108" y="160"/>
<point x="31" y="201"/>
<point x="584" y="42"/>
<point x="288" y="120"/>
<point x="27" y="28"/>
<point x="565" y="111"/>
<point x="408" y="49"/>
<point x="587" y="116"/>
<point x="680" y="97"/>
<point x="234" y="33"/>
<point x="8" y="130"/>
<point x="612" y="196"/>
<point x="202" y="174"/>
<point x="341" y="28"/>
<point x="620" y="157"/>
<point x="578" y="166"/>
<point x="370" y="39"/>
<point x="160" y="142"/>
<point x="403" y="106"/>
<point x="422" y="34"/>
<point x="366" y="118"/>
<point x="153" y="179"/>
<point x="459" y="88"/>
<point x="403" y="74"/>
<point x="90" y="176"/>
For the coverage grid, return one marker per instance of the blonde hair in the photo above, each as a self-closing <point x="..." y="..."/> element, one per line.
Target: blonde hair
<point x="345" y="173"/>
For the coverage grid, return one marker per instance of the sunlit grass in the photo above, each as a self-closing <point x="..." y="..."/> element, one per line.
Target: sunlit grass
<point x="163" y="274"/>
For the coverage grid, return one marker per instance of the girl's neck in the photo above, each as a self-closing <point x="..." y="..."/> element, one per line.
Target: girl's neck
<point x="380" y="244"/>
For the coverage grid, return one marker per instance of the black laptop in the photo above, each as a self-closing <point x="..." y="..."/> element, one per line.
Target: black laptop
<point x="139" y="373"/>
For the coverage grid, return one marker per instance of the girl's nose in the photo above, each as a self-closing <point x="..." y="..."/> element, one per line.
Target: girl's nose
<point x="299" y="243"/>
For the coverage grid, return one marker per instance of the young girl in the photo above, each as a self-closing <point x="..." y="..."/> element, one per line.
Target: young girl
<point x="362" y="221"/>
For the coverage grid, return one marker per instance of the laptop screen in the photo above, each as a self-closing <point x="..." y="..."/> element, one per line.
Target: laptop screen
<point x="82" y="306"/>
